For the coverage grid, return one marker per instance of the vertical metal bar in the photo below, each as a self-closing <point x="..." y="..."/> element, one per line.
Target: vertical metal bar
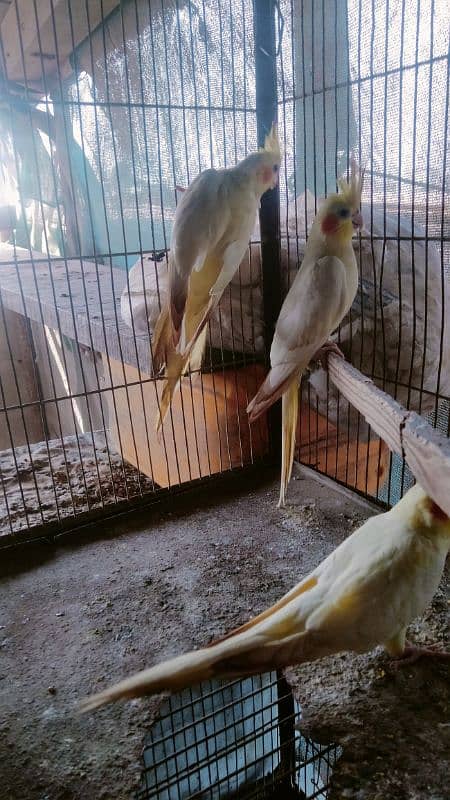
<point x="427" y="204"/>
<point x="152" y="223"/>
<point x="199" y="160"/>
<point x="77" y="106"/>
<point x="60" y="114"/>
<point x="156" y="87"/>
<point x="444" y="311"/>
<point x="165" y="19"/>
<point x="286" y="719"/>
<point x="46" y="101"/>
<point x="269" y="214"/>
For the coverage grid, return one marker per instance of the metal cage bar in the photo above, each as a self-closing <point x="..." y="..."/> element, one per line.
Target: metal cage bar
<point x="234" y="740"/>
<point x="95" y="173"/>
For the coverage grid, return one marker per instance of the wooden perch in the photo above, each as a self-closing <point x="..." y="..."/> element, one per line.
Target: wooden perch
<point x="425" y="450"/>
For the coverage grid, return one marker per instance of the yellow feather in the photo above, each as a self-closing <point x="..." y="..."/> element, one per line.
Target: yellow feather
<point x="351" y="190"/>
<point x="199" y="307"/>
<point x="198" y="304"/>
<point x="161" y="337"/>
<point x="272" y="142"/>
<point x="175" y="366"/>
<point x="363" y="594"/>
<point x="290" y="414"/>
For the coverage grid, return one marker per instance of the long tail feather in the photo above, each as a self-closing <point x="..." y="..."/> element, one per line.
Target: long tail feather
<point x="194" y="362"/>
<point x="174" y="370"/>
<point x="171" y="676"/>
<point x="270" y="391"/>
<point x="241" y="656"/>
<point x="176" y="366"/>
<point x="161" y="340"/>
<point x="185" y="346"/>
<point x="273" y="639"/>
<point x="289" y="427"/>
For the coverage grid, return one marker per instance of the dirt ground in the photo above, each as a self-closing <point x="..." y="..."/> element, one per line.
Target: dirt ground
<point x="95" y="607"/>
<point x="52" y="481"/>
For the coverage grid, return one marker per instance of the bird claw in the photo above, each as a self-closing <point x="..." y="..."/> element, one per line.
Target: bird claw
<point x="412" y="653"/>
<point x="321" y="356"/>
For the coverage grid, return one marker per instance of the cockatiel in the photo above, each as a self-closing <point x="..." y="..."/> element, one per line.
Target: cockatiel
<point x="364" y="594"/>
<point x="320" y="296"/>
<point x="213" y="224"/>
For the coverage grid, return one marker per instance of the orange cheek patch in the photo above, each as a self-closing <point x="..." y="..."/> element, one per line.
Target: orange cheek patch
<point x="330" y="223"/>
<point x="267" y="175"/>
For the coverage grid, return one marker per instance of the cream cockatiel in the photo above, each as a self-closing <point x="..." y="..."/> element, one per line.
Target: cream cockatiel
<point x="364" y="594"/>
<point x="213" y="224"/>
<point x="320" y="296"/>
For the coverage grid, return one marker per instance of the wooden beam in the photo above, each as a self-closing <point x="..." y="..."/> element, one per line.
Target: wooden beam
<point x="30" y="48"/>
<point x="87" y="301"/>
<point x="4" y="6"/>
<point x="425" y="450"/>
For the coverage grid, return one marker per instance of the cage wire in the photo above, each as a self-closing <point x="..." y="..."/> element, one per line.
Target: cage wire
<point x="138" y="102"/>
<point x="108" y="108"/>
<point x="234" y="740"/>
<point x="372" y="78"/>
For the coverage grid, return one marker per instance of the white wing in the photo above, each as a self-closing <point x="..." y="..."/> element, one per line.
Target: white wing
<point x="312" y="309"/>
<point x="314" y="306"/>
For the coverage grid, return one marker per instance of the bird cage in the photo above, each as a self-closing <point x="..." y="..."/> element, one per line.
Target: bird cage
<point x="234" y="740"/>
<point x="109" y="110"/>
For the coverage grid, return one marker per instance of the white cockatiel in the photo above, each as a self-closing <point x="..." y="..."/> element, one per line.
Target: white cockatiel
<point x="320" y="296"/>
<point x="212" y="228"/>
<point x="364" y="594"/>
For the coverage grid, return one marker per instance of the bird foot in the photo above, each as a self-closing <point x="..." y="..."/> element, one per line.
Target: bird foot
<point x="412" y="653"/>
<point x="321" y="356"/>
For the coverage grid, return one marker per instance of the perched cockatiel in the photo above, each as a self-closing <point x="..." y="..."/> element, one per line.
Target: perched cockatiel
<point x="364" y="594"/>
<point x="213" y="224"/>
<point x="320" y="296"/>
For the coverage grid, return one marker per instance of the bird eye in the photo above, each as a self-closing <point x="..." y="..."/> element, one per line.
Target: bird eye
<point x="344" y="212"/>
<point x="275" y="167"/>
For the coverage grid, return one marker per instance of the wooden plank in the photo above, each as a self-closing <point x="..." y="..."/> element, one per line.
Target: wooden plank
<point x="426" y="451"/>
<point x="67" y="371"/>
<point x="30" y="48"/>
<point x="4" y="6"/>
<point x="45" y="290"/>
<point x="16" y="363"/>
<point x="206" y="432"/>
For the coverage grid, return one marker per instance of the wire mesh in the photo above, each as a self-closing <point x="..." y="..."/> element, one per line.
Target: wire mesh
<point x="372" y="79"/>
<point x="234" y="740"/>
<point x="107" y="109"/>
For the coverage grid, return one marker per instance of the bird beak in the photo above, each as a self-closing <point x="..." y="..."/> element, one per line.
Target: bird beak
<point x="357" y="220"/>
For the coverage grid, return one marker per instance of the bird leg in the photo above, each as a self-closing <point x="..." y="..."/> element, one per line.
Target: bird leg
<point x="321" y="356"/>
<point x="412" y="653"/>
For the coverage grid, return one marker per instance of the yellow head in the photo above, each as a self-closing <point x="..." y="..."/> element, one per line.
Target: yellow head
<point x="264" y="166"/>
<point x="340" y="215"/>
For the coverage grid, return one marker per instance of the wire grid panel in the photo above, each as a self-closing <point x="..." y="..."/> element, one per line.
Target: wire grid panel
<point x="106" y="109"/>
<point x="372" y="79"/>
<point x="233" y="740"/>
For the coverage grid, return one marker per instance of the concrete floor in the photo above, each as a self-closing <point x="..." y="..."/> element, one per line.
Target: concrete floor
<point x="94" y="608"/>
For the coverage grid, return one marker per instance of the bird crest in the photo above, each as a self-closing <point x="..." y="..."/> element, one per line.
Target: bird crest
<point x="272" y="142"/>
<point x="351" y="190"/>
